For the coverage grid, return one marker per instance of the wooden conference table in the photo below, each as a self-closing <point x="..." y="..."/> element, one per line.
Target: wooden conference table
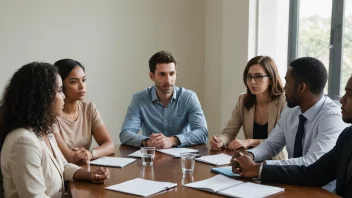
<point x="168" y="168"/>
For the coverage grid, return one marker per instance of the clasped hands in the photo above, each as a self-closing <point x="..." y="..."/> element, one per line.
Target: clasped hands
<point x="81" y="155"/>
<point x="159" y="141"/>
<point x="99" y="175"/>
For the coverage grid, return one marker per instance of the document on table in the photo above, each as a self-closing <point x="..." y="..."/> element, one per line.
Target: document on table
<point x="176" y="152"/>
<point x="136" y="154"/>
<point x="112" y="161"/>
<point x="219" y="159"/>
<point x="141" y="187"/>
<point x="223" y="185"/>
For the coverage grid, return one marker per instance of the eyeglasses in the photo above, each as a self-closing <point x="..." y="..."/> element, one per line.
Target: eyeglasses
<point x="257" y="78"/>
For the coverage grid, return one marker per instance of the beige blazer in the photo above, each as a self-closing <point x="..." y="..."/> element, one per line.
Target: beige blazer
<point x="30" y="170"/>
<point x="241" y="117"/>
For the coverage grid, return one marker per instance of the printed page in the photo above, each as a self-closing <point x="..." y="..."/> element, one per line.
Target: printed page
<point x="220" y="159"/>
<point x="141" y="187"/>
<point x="176" y="151"/>
<point x="214" y="184"/>
<point x="112" y="161"/>
<point x="251" y="190"/>
<point x="136" y="154"/>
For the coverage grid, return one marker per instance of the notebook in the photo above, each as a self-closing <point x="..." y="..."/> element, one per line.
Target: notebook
<point x="219" y="159"/>
<point x="176" y="152"/>
<point x="142" y="187"/>
<point x="226" y="170"/>
<point x="112" y="161"/>
<point x="136" y="154"/>
<point x="223" y="185"/>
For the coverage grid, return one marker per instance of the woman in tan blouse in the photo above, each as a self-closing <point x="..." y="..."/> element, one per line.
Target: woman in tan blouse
<point x="80" y="120"/>
<point x="258" y="110"/>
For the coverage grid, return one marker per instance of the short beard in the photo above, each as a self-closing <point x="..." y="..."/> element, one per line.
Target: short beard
<point x="347" y="120"/>
<point x="291" y="104"/>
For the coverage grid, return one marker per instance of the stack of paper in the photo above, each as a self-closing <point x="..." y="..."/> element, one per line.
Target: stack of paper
<point x="176" y="152"/>
<point x="112" y="161"/>
<point x="136" y="154"/>
<point x="220" y="159"/>
<point x="141" y="187"/>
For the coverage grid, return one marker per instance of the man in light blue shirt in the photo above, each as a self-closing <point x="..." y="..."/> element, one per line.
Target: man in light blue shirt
<point x="168" y="115"/>
<point x="309" y="128"/>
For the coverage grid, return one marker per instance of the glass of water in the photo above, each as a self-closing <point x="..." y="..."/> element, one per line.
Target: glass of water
<point x="187" y="162"/>
<point x="148" y="154"/>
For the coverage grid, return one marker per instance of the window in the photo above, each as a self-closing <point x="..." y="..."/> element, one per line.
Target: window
<point x="347" y="46"/>
<point x="323" y="29"/>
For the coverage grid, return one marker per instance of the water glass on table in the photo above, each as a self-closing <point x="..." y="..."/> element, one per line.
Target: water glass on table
<point x="187" y="162"/>
<point x="147" y="154"/>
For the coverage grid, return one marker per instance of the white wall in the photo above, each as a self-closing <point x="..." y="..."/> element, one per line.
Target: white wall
<point x="114" y="39"/>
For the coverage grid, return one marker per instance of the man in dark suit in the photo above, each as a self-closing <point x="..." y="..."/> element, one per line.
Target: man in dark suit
<point x="336" y="164"/>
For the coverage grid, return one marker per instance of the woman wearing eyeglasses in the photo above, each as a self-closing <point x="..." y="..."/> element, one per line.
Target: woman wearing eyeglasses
<point x="258" y="110"/>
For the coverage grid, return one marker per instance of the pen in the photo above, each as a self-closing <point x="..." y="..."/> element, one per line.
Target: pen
<point x="215" y="138"/>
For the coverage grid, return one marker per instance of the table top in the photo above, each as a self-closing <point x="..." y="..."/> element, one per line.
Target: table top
<point x="168" y="169"/>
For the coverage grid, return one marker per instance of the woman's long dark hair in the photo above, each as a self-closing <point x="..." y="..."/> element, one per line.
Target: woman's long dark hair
<point x="28" y="99"/>
<point x="65" y="66"/>
<point x="275" y="89"/>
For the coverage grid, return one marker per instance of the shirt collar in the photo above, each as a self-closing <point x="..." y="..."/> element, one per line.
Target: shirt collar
<point x="314" y="110"/>
<point x="155" y="97"/>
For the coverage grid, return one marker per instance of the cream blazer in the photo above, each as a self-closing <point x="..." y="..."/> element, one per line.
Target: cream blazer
<point x="30" y="170"/>
<point x="241" y="117"/>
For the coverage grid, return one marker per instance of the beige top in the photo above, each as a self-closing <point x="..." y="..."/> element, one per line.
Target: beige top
<point x="241" y="117"/>
<point x="29" y="168"/>
<point x="78" y="133"/>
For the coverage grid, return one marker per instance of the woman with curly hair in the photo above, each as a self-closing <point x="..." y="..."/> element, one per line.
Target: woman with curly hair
<point x="80" y="120"/>
<point x="256" y="111"/>
<point x="31" y="162"/>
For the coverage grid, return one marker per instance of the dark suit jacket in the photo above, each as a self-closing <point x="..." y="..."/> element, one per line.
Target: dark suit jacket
<point x="336" y="164"/>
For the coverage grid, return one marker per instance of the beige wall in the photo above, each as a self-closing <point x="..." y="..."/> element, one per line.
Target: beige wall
<point x="114" y="39"/>
<point x="227" y="47"/>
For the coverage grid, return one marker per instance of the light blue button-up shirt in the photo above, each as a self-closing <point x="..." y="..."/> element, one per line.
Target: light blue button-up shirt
<point x="183" y="117"/>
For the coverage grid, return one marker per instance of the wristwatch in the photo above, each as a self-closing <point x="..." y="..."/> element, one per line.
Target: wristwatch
<point x="177" y="141"/>
<point x="93" y="152"/>
<point x="144" y="142"/>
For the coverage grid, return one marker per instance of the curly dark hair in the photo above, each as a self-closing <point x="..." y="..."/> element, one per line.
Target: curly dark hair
<point x="160" y="57"/>
<point x="28" y="100"/>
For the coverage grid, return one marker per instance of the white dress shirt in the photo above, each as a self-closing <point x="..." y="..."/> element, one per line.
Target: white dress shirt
<point x="322" y="128"/>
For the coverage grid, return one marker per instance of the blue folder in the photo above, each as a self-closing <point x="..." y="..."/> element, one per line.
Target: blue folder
<point x="225" y="170"/>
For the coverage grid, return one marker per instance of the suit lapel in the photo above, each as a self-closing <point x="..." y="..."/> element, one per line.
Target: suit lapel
<point x="273" y="109"/>
<point x="51" y="155"/>
<point x="250" y="122"/>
